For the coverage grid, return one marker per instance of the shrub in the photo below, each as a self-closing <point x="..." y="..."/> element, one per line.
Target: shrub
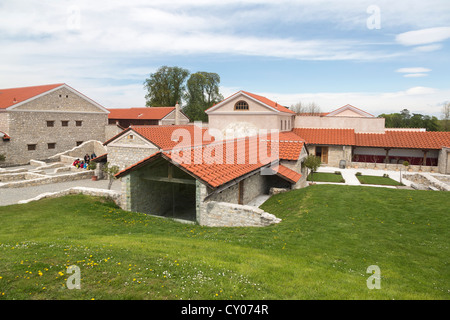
<point x="358" y="174"/>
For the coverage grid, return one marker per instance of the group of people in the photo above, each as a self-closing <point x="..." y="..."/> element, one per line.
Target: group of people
<point x="84" y="164"/>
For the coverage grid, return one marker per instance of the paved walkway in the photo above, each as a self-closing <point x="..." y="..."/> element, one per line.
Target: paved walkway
<point x="351" y="179"/>
<point x="10" y="196"/>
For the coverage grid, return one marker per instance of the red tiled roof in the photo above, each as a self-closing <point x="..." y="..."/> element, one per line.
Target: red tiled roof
<point x="290" y="145"/>
<point x="262" y="99"/>
<point x="151" y="113"/>
<point x="218" y="169"/>
<point x="344" y="137"/>
<point x="287" y="173"/>
<point x="404" y="139"/>
<point x="269" y="102"/>
<point x="221" y="162"/>
<point x="167" y="137"/>
<point x="10" y="97"/>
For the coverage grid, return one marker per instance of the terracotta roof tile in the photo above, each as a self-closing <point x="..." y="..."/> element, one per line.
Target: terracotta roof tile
<point x="269" y="102"/>
<point x="327" y="136"/>
<point x="404" y="139"/>
<point x="287" y="173"/>
<point x="10" y="97"/>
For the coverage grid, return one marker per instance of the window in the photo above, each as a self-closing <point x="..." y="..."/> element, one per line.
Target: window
<point x="64" y="123"/>
<point x="79" y="142"/>
<point x="50" y="123"/>
<point x="241" y="105"/>
<point x="51" y="145"/>
<point x="31" y="147"/>
<point x="78" y="123"/>
<point x="130" y="137"/>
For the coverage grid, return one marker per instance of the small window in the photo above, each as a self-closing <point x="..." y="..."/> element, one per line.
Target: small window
<point x="31" y="147"/>
<point x="130" y="137"/>
<point x="64" y="123"/>
<point x="79" y="143"/>
<point x="241" y="105"/>
<point x="67" y="95"/>
<point x="51" y="145"/>
<point x="50" y="123"/>
<point x="78" y="123"/>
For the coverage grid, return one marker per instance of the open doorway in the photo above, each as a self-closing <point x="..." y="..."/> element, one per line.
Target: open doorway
<point x="322" y="152"/>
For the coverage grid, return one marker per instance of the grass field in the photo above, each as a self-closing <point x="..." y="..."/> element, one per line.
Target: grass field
<point x="327" y="239"/>
<point x="325" y="177"/>
<point x="378" y="180"/>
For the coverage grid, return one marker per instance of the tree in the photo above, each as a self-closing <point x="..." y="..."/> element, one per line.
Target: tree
<point x="110" y="171"/>
<point x="404" y="119"/>
<point x="165" y="87"/>
<point x="445" y="122"/>
<point x="202" y="91"/>
<point x="312" y="162"/>
<point x="312" y="108"/>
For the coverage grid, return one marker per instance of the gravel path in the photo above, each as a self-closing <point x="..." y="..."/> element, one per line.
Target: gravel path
<point x="10" y="196"/>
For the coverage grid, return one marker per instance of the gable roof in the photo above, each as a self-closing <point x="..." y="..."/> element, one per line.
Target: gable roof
<point x="213" y="165"/>
<point x="162" y="136"/>
<point x="267" y="102"/>
<point x="13" y="96"/>
<point x="150" y="113"/>
<point x="349" y="107"/>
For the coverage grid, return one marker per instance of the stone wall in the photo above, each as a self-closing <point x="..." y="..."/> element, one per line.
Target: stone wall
<point x="428" y="180"/>
<point x="94" y="192"/>
<point x="222" y="214"/>
<point x="335" y="154"/>
<point x="124" y="157"/>
<point x="392" y="166"/>
<point x="75" y="120"/>
<point x="444" y="161"/>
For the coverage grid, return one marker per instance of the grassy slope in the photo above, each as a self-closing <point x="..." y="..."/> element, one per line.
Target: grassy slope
<point x="321" y="250"/>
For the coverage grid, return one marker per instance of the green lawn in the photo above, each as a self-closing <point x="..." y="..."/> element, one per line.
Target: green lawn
<point x="378" y="180"/>
<point x="327" y="239"/>
<point x="325" y="177"/>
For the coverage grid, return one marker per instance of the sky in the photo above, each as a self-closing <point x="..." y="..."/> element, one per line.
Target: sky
<point x="379" y="56"/>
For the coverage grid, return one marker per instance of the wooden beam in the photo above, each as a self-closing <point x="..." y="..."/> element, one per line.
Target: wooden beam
<point x="173" y="180"/>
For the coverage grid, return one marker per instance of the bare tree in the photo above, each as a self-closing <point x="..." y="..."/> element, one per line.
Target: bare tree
<point x="311" y="108"/>
<point x="446" y="117"/>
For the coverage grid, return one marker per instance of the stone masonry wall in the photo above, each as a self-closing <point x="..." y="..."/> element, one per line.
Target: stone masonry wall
<point x="28" y="125"/>
<point x="124" y="157"/>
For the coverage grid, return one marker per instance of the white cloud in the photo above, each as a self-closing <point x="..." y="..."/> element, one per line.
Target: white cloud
<point x="415" y="75"/>
<point x="423" y="36"/>
<point x="413" y="70"/>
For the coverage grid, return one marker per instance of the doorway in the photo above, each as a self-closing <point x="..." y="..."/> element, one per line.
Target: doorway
<point x="322" y="152"/>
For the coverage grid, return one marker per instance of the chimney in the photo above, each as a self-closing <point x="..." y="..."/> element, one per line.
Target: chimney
<point x="177" y="114"/>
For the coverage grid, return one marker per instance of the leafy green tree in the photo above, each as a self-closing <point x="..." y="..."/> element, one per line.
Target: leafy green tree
<point x="312" y="162"/>
<point x="166" y="86"/>
<point x="202" y="91"/>
<point x="110" y="171"/>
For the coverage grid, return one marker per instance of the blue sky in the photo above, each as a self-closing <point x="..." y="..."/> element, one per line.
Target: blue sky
<point x="380" y="56"/>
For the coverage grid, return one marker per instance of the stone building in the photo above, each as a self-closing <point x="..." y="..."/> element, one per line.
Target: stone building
<point x="212" y="183"/>
<point x="42" y="121"/>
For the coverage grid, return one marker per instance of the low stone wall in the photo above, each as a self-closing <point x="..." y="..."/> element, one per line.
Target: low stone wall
<point x="109" y="194"/>
<point x="393" y="167"/>
<point x="222" y="214"/>
<point x="85" y="174"/>
<point x="427" y="180"/>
